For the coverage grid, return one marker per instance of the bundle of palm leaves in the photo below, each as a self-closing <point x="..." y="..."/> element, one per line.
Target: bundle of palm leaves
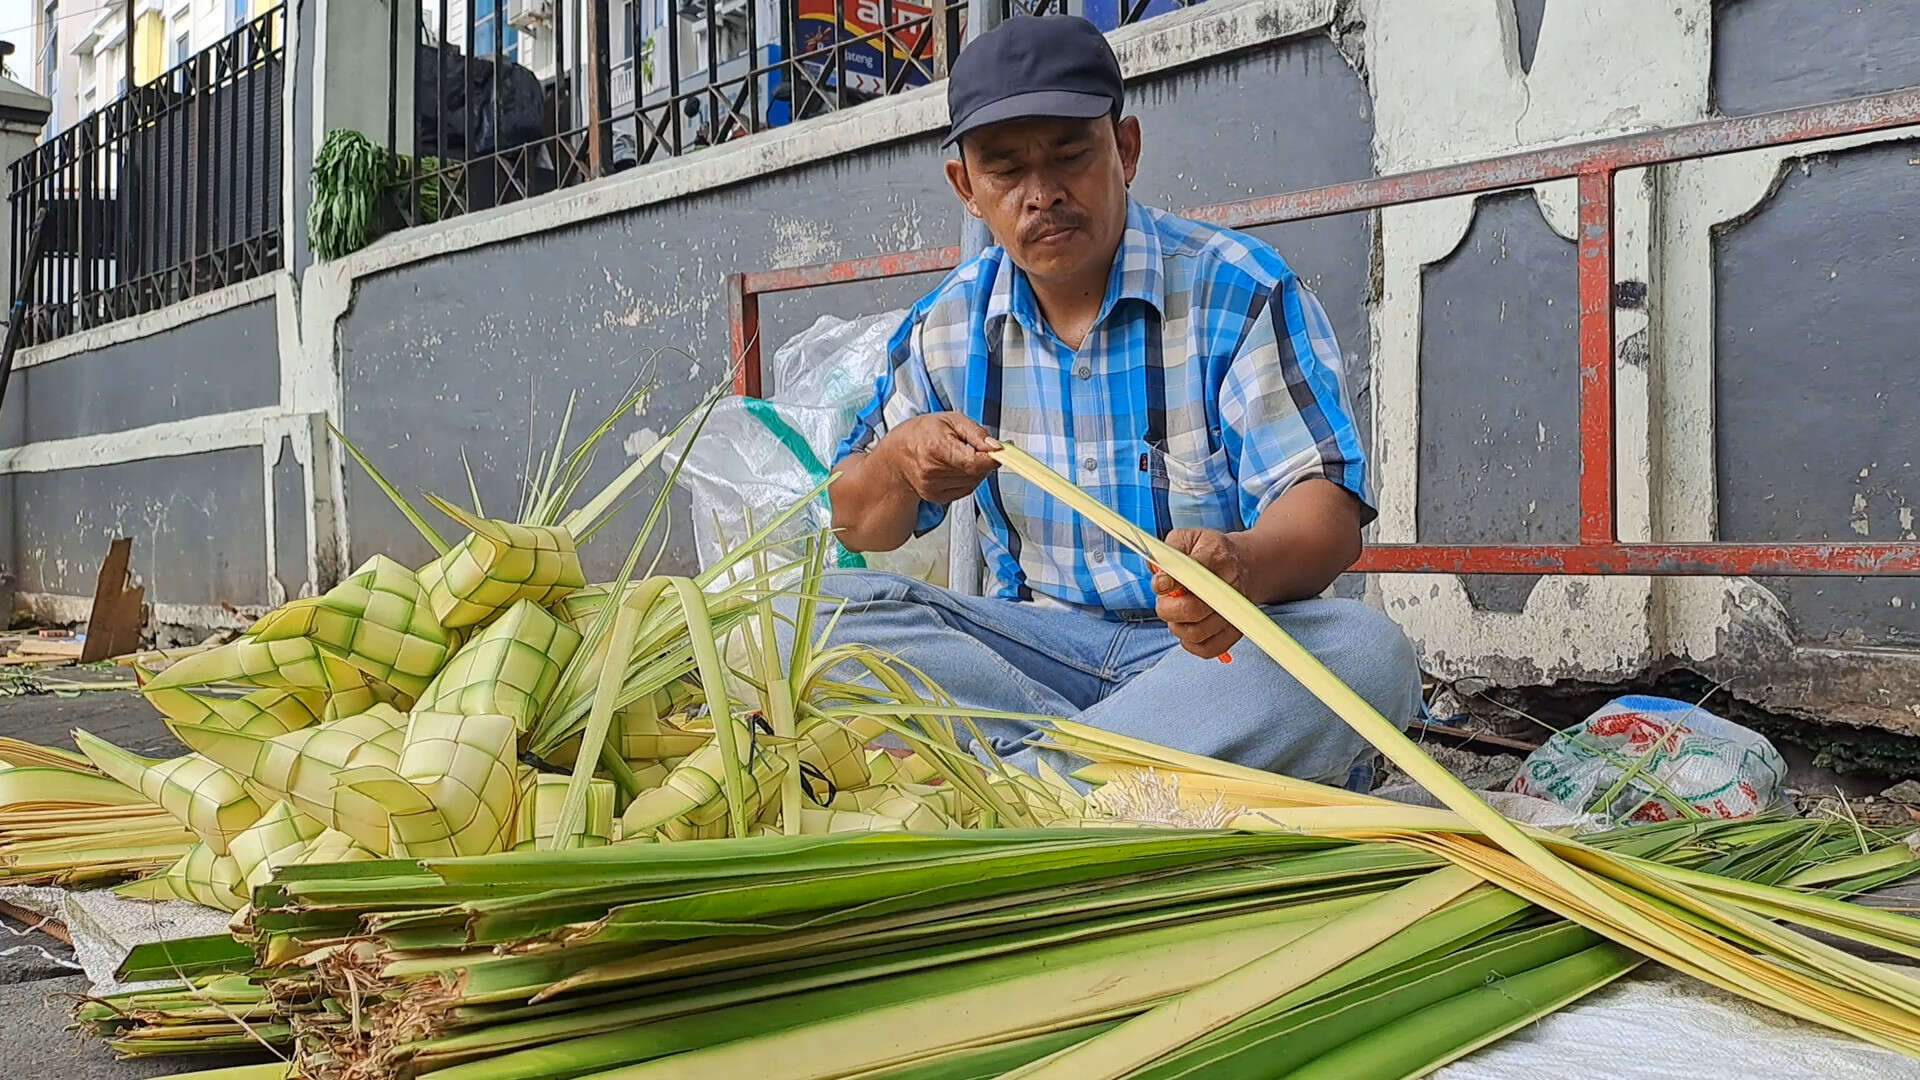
<point x="1145" y="952"/>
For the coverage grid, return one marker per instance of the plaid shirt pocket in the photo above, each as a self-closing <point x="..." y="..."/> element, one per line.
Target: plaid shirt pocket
<point x="1200" y="494"/>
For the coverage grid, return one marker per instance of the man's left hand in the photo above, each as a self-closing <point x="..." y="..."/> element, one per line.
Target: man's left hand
<point x="1199" y="629"/>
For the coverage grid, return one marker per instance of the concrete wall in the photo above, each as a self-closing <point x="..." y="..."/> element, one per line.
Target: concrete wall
<point x="1766" y="369"/>
<point x="226" y="363"/>
<point x="209" y="504"/>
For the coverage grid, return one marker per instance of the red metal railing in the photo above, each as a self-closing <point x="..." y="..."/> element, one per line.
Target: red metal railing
<point x="1593" y="165"/>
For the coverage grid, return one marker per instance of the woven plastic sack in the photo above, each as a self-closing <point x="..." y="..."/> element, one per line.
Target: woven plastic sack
<point x="759" y="457"/>
<point x="1639" y="758"/>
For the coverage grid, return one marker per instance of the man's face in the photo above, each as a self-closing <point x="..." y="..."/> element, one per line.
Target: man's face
<point x="1052" y="191"/>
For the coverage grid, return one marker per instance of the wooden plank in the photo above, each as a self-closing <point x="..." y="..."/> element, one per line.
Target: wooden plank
<point x="40" y="648"/>
<point x="119" y="607"/>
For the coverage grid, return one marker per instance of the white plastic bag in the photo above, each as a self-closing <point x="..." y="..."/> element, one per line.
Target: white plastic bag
<point x="1639" y="757"/>
<point x="759" y="457"/>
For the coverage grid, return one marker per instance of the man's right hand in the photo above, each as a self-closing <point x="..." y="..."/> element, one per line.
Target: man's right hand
<point x="941" y="456"/>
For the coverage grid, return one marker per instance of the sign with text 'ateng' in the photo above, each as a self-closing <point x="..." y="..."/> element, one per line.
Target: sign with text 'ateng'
<point x="869" y="68"/>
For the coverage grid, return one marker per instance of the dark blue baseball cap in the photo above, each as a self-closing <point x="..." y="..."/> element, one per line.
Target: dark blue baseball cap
<point x="1032" y="66"/>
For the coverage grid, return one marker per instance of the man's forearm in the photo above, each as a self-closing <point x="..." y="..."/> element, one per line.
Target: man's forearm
<point x="874" y="508"/>
<point x="1304" y="540"/>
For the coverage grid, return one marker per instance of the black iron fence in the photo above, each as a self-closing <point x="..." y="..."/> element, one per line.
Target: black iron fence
<point x="170" y="191"/>
<point x="512" y="98"/>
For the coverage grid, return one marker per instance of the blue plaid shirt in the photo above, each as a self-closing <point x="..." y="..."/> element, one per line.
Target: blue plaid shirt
<point x="1209" y="384"/>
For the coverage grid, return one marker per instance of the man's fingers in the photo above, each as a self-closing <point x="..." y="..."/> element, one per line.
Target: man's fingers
<point x="1183" y="540"/>
<point x="1180" y="612"/>
<point x="1214" y="644"/>
<point x="970" y="432"/>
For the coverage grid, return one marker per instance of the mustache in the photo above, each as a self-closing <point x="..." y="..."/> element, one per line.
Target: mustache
<point x="1051" y="221"/>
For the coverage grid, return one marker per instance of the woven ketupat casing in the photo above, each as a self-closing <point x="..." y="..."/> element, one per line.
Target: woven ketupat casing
<point x="301" y="766"/>
<point x="331" y="846"/>
<point x="645" y="738"/>
<point x="542" y="796"/>
<point x="510" y="668"/>
<point x="263" y="712"/>
<point x="201" y="875"/>
<point x="196" y="791"/>
<point x="497" y="566"/>
<point x="455" y="790"/>
<point x="692" y="795"/>
<point x="378" y="620"/>
<point x="280" y="834"/>
<point x="832" y="757"/>
<point x="292" y="663"/>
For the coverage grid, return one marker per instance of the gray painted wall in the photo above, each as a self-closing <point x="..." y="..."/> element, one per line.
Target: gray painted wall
<point x="196" y="523"/>
<point x="222" y="363"/>
<point x="1499" y="392"/>
<point x="1815" y="380"/>
<point x="447" y="354"/>
<point x="1528" y="15"/>
<point x="1775" y="54"/>
<point x="289" y="521"/>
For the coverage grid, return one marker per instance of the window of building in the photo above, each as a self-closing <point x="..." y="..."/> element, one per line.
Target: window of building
<point x="182" y="48"/>
<point x="238" y="14"/>
<point x="730" y="40"/>
<point x="485" y="15"/>
<point x="50" y="49"/>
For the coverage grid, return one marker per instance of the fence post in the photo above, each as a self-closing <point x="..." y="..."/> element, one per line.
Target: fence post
<point x="600" y="87"/>
<point x="966" y="569"/>
<point x="945" y="27"/>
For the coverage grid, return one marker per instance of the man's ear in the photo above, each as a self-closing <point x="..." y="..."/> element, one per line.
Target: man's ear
<point x="962" y="184"/>
<point x="1127" y="135"/>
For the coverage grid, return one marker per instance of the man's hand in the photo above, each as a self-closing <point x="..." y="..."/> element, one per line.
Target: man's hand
<point x="1199" y="629"/>
<point x="941" y="456"/>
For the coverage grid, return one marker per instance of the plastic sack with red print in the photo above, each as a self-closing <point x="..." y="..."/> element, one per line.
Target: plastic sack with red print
<point x="1642" y="758"/>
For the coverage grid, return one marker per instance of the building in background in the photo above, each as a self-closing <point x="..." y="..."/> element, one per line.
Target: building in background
<point x="80" y="59"/>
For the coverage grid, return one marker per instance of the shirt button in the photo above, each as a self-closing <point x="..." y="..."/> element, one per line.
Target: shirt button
<point x="1084" y="371"/>
<point x="1090" y="464"/>
<point x="1097" y="557"/>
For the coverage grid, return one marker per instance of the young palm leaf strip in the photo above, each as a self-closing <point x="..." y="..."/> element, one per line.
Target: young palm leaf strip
<point x="1626" y="902"/>
<point x="961" y="953"/>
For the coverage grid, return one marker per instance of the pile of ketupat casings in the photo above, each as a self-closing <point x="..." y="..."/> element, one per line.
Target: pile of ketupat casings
<point x="470" y="818"/>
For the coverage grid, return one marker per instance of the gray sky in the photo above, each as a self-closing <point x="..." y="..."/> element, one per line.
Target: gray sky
<point x="16" y="25"/>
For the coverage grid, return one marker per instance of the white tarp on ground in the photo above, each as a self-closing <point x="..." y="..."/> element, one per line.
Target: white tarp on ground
<point x="105" y="927"/>
<point x="1657" y="1024"/>
<point x="1652" y="1025"/>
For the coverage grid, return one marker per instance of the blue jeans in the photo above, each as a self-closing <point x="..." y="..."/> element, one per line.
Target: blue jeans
<point x="1132" y="676"/>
